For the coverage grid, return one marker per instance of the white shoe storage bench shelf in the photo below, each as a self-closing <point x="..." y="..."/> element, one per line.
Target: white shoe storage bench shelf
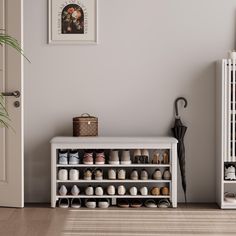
<point x="161" y="144"/>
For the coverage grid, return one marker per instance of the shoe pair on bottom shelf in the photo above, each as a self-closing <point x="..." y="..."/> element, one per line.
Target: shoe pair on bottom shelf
<point x="162" y="203"/>
<point x="74" y="190"/>
<point x="65" y="203"/>
<point x="102" y="203"/>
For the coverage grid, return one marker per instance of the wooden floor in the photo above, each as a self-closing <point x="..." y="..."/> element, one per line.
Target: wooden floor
<point x="190" y="220"/>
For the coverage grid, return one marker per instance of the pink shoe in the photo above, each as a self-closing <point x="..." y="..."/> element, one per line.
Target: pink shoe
<point x="100" y="157"/>
<point x="88" y="158"/>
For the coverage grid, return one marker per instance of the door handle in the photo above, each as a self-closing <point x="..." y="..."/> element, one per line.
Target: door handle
<point x="15" y="94"/>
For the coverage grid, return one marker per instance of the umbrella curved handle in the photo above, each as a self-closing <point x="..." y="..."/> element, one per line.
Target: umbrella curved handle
<point x="176" y="104"/>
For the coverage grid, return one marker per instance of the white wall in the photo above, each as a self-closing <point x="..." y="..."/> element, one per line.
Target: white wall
<point x="150" y="52"/>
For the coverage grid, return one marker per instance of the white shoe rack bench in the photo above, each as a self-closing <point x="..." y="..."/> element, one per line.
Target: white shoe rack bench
<point x="161" y="144"/>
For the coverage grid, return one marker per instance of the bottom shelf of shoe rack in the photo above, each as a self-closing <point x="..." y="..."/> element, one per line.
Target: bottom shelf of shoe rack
<point x="120" y="143"/>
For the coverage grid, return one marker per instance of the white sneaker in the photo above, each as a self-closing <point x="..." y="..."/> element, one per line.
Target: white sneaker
<point x="75" y="190"/>
<point x="230" y="172"/>
<point x="74" y="157"/>
<point x="112" y="174"/>
<point x="89" y="191"/>
<point x="125" y="158"/>
<point x="144" y="191"/>
<point x="63" y="190"/>
<point x="133" y="191"/>
<point x="63" y="174"/>
<point x="114" y="157"/>
<point x="74" y="174"/>
<point x="99" y="191"/>
<point x="121" y="174"/>
<point x="62" y="157"/>
<point x="111" y="190"/>
<point x="75" y="203"/>
<point x="121" y="190"/>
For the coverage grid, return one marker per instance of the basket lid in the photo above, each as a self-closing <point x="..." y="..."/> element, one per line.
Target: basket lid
<point x="85" y="117"/>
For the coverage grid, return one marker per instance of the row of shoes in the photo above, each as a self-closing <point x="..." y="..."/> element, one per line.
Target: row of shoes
<point x="111" y="190"/>
<point x="150" y="203"/>
<point x="105" y="203"/>
<point x="113" y="174"/>
<point x="89" y="203"/>
<point x="140" y="156"/>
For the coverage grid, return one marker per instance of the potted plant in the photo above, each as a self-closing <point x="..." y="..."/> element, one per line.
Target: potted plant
<point x="10" y="41"/>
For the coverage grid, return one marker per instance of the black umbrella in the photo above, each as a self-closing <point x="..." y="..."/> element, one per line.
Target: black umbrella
<point x="179" y="131"/>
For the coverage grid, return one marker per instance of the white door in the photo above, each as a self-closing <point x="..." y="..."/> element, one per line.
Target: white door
<point x="11" y="142"/>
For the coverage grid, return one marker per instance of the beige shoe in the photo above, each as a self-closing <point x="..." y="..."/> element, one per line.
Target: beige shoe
<point x="165" y="191"/>
<point x="111" y="190"/>
<point x="99" y="191"/>
<point x="121" y="174"/>
<point x="98" y="174"/>
<point x="89" y="191"/>
<point x="157" y="175"/>
<point x="134" y="174"/>
<point x="125" y="158"/>
<point x="167" y="175"/>
<point x="156" y="159"/>
<point x="133" y="191"/>
<point x="121" y="190"/>
<point x="155" y="191"/>
<point x="112" y="174"/>
<point x="144" y="174"/>
<point x="165" y="159"/>
<point x="114" y="157"/>
<point x="87" y="174"/>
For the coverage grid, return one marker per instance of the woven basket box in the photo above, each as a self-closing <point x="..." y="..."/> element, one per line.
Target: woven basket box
<point x="85" y="125"/>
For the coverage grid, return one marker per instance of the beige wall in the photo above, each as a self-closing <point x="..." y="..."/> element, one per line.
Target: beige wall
<point x="150" y="52"/>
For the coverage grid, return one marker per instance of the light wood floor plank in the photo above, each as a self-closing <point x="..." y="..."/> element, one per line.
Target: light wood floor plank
<point x="191" y="220"/>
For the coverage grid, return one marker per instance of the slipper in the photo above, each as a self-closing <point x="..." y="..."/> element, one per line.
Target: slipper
<point x="103" y="203"/>
<point x="90" y="203"/>
<point x="123" y="204"/>
<point x="64" y="203"/>
<point x="230" y="197"/>
<point x="150" y="203"/>
<point x="136" y="204"/>
<point x="164" y="203"/>
<point x="75" y="203"/>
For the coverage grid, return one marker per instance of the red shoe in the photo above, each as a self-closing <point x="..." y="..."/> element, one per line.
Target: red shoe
<point x="88" y="158"/>
<point x="100" y="157"/>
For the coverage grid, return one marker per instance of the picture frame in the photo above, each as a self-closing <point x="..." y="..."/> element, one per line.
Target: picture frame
<point x="72" y="22"/>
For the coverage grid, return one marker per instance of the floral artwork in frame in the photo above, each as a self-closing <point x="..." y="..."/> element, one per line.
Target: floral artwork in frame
<point x="72" y="21"/>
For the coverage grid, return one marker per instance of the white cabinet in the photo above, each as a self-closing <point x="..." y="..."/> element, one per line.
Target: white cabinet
<point x="225" y="129"/>
<point x="107" y="143"/>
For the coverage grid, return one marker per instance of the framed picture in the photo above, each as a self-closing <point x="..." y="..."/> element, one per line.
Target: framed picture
<point x="72" y="21"/>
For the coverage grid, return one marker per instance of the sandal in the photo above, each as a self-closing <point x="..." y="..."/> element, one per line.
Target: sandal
<point x="64" y="203"/>
<point x="230" y="197"/>
<point x="123" y="204"/>
<point x="164" y="203"/>
<point x="136" y="203"/>
<point x="90" y="203"/>
<point x="103" y="203"/>
<point x="150" y="203"/>
<point x="75" y="203"/>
